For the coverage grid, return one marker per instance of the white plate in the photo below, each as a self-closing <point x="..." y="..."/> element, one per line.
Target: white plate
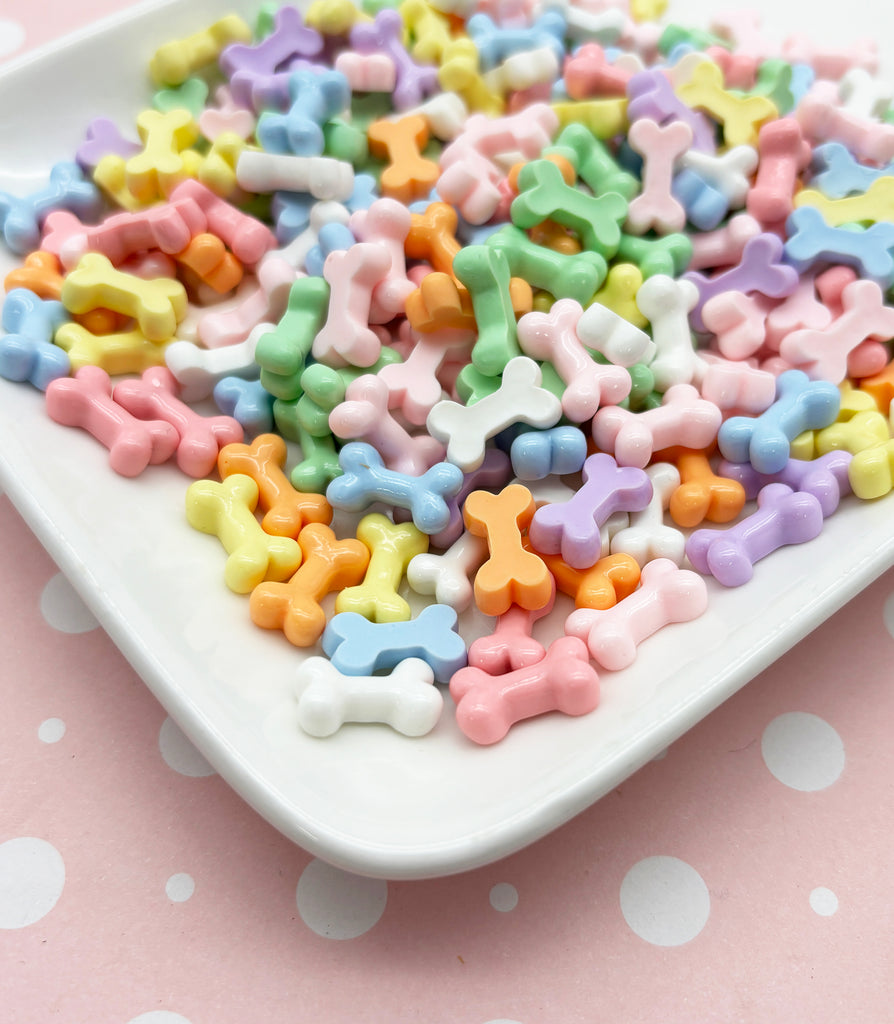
<point x="367" y="799"/>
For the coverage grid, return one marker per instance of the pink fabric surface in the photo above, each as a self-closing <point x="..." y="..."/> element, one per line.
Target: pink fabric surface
<point x="744" y="876"/>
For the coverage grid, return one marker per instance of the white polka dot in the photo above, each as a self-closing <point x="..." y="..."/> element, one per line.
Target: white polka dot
<point x="336" y="904"/>
<point x="63" y="608"/>
<point x="665" y="901"/>
<point x="504" y="897"/>
<point x="803" y="751"/>
<point x="32" y="876"/>
<point x="159" y="1017"/>
<point x="12" y="35"/>
<point x="51" y="730"/>
<point x="823" y="901"/>
<point x="179" y="753"/>
<point x="180" y="887"/>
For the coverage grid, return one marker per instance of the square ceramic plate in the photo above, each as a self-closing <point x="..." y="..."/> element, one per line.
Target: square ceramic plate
<point x="367" y="799"/>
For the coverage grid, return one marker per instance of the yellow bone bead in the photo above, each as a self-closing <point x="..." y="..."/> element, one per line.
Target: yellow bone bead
<point x="853" y="400"/>
<point x="217" y="169"/>
<point x="154" y="172"/>
<point x="429" y="30"/>
<point x="391" y="546"/>
<point x="873" y="205"/>
<point x="334" y="17"/>
<point x="871" y="471"/>
<point x="460" y="72"/>
<point x="618" y="293"/>
<point x="604" y="118"/>
<point x="647" y="10"/>
<point x="174" y="62"/>
<point x="862" y="430"/>
<point x="157" y="305"/>
<point x="121" y="352"/>
<point x="741" y="116"/>
<point x="226" y="510"/>
<point x="110" y="175"/>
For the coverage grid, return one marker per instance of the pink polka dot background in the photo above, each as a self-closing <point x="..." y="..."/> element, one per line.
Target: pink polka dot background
<point x="743" y="876"/>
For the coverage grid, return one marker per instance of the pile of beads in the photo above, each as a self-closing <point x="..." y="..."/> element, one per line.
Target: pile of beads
<point x="536" y="289"/>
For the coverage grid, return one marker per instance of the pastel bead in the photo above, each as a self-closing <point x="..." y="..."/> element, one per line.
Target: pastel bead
<point x="27" y="351"/>
<point x="174" y="62"/>
<point x="660" y="146"/>
<point x="827" y="478"/>
<point x="21" y="217"/>
<point x="559" y="450"/>
<point x="511" y="645"/>
<point x="647" y="536"/>
<point x="446" y="577"/>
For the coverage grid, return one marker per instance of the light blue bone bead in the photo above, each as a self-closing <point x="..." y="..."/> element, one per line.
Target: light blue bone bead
<point x="836" y="173"/>
<point x="332" y="237"/>
<point x="248" y="402"/>
<point x="811" y="240"/>
<point x="705" y="206"/>
<point x="536" y="454"/>
<point x="27" y="352"/>
<point x="316" y="97"/>
<point x="495" y="43"/>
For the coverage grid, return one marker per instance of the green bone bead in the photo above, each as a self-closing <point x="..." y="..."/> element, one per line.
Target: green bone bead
<point x="669" y="254"/>
<point x="326" y="385"/>
<point x="285" y="418"/>
<point x="485" y="272"/>
<point x="282" y="352"/>
<point x="312" y="417"/>
<point x="345" y="141"/>
<point x="698" y="39"/>
<point x="773" y="80"/>
<point x="472" y="385"/>
<point x="544" y="195"/>
<point x="190" y="95"/>
<point x="563" y="276"/>
<point x="594" y="163"/>
<point x="320" y="465"/>
<point x="266" y="19"/>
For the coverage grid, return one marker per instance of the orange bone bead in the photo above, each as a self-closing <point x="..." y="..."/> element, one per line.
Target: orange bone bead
<point x="432" y="237"/>
<point x="409" y="175"/>
<point x="41" y="273"/>
<point x="440" y="302"/>
<point x="210" y="260"/>
<point x="701" y="494"/>
<point x="603" y="585"/>
<point x="881" y="387"/>
<point x="287" y="510"/>
<point x="511" y="575"/>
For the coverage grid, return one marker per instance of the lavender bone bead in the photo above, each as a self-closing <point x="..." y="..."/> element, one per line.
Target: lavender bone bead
<point x="290" y="38"/>
<point x="385" y="35"/>
<point x="826" y="478"/>
<point x="765" y="441"/>
<point x="101" y="138"/>
<point x="783" y="517"/>
<point x="650" y="94"/>
<point x="811" y="240"/>
<point x="572" y="528"/>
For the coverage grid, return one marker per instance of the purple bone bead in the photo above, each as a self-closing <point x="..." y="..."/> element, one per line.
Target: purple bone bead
<point x="290" y="38"/>
<point x="270" y="90"/>
<point x="650" y="94"/>
<point x="384" y="35"/>
<point x="826" y="478"/>
<point x="101" y="138"/>
<point x="759" y="270"/>
<point x="783" y="517"/>
<point x="572" y="527"/>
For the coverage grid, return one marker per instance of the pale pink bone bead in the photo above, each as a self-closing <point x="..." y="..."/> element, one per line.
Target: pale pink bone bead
<point x="150" y="264"/>
<point x="352" y="274"/>
<point x="246" y="237"/>
<point x="551" y="336"/>
<point x="197" y="370"/>
<point x="665" y="303"/>
<point x="324" y="212"/>
<point x="796" y="311"/>
<point x="367" y="72"/>
<point x="865" y="95"/>
<point x="387" y="223"/>
<point x="448" y="577"/>
<point x="830" y="285"/>
<point x="824" y="121"/>
<point x="783" y="156"/>
<point x="413" y="385"/>
<point x="63" y="230"/>
<point x="666" y="594"/>
<point x="735" y="385"/>
<point x="521" y="99"/>
<point x="227" y="116"/>
<point x="738" y="321"/>
<point x="831" y="63"/>
<point x="723" y="246"/>
<point x="642" y="38"/>
<point x="683" y="418"/>
<point x="743" y="29"/>
<point x="660" y="146"/>
<point x="364" y="416"/>
<point x="264" y="304"/>
<point x="85" y="400"/>
<point x="155" y="396"/>
<point x="487" y="706"/>
<point x="648" y="536"/>
<point x="823" y="354"/>
<point x="471" y="185"/>
<point x="511" y="645"/>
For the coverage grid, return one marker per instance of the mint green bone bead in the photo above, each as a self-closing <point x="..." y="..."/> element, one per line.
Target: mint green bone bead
<point x="326" y="385"/>
<point x="319" y="467"/>
<point x="345" y="141"/>
<point x="544" y="195"/>
<point x="668" y="254"/>
<point x="697" y="38"/>
<point x="265" y="22"/>
<point x="594" y="164"/>
<point x="562" y="275"/>
<point x="773" y="80"/>
<point x="189" y="95"/>
<point x="282" y="352"/>
<point x="485" y="272"/>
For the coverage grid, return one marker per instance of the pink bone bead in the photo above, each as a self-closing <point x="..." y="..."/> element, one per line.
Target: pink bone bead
<point x="367" y="72"/>
<point x="552" y="336"/>
<point x="735" y="386"/>
<point x="723" y="246"/>
<point x="823" y="354"/>
<point x="150" y="264"/>
<point x="387" y="222"/>
<point x="660" y="147"/>
<point x="739" y="69"/>
<point x="738" y="321"/>
<point x="867" y="359"/>
<point x="245" y="236"/>
<point x="796" y="311"/>
<point x="743" y="30"/>
<point x="666" y="594"/>
<point x="352" y="274"/>
<point x="155" y="395"/>
<point x="264" y="304"/>
<point x="831" y="63"/>
<point x="85" y="400"/>
<point x="511" y="645"/>
<point x="227" y="116"/>
<point x="588" y="73"/>
<point x="783" y="155"/>
<point x="830" y="285"/>
<point x="683" y="418"/>
<point x="824" y="121"/>
<point x="526" y="133"/>
<point x="487" y="706"/>
<point x="364" y="415"/>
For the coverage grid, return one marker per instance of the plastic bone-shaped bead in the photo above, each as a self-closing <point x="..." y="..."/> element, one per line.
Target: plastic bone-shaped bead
<point x="227" y="510"/>
<point x="765" y="440"/>
<point x="741" y="117"/>
<point x="322" y="176"/>
<point x="552" y="336"/>
<point x="648" y="537"/>
<point x="823" y="120"/>
<point x="493" y="473"/>
<point x="723" y="246"/>
<point x="359" y="647"/>
<point x="536" y="454"/>
<point x="810" y="241"/>
<point x="367" y="72"/>
<point x="783" y="517"/>
<point x="837" y="173"/>
<point x="117" y="352"/>
<point x="609" y="580"/>
<point x="21" y="218"/>
<point x="247" y="237"/>
<point x="413" y="385"/>
<point x="286" y="510"/>
<point x="409" y="175"/>
<point x="660" y="146"/>
<point x="289" y="39"/>
<point x="826" y="478"/>
<point x="392" y="546"/>
<point x="783" y="155"/>
<point x="226" y="118"/>
<point x="605" y="331"/>
<point x="447" y="577"/>
<point x="264" y="304"/>
<point x="651" y="94"/>
<point x="488" y="706"/>
<point x="511" y="575"/>
<point x="387" y="223"/>
<point x="702" y="494"/>
<point x="294" y="606"/>
<point x="667" y="594"/>
<point x="85" y="400"/>
<point x="155" y="396"/>
<point x="519" y="399"/>
<point x="485" y="272"/>
<point x="365" y="480"/>
<point x="27" y="351"/>
<point x="197" y="370"/>
<point x="174" y="62"/>
<point x="153" y="173"/>
<point x="315" y="99"/>
<point x="385" y="34"/>
<point x="666" y="303"/>
<point x="511" y="645"/>
<point x="738" y="321"/>
<point x="573" y="527"/>
<point x="683" y="418"/>
<point x="406" y="699"/>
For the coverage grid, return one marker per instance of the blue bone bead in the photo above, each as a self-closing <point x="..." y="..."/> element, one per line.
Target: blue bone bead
<point x="332" y="237"/>
<point x="495" y="43"/>
<point x="366" y="480"/>
<point x="291" y="211"/>
<point x="316" y="98"/>
<point x="836" y="173"/>
<point x="705" y="206"/>
<point x="248" y="402"/>
<point x="366" y="192"/>
<point x="536" y="454"/>
<point x="811" y="240"/>
<point x="27" y="352"/>
<point x="765" y="441"/>
<point x="358" y="647"/>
